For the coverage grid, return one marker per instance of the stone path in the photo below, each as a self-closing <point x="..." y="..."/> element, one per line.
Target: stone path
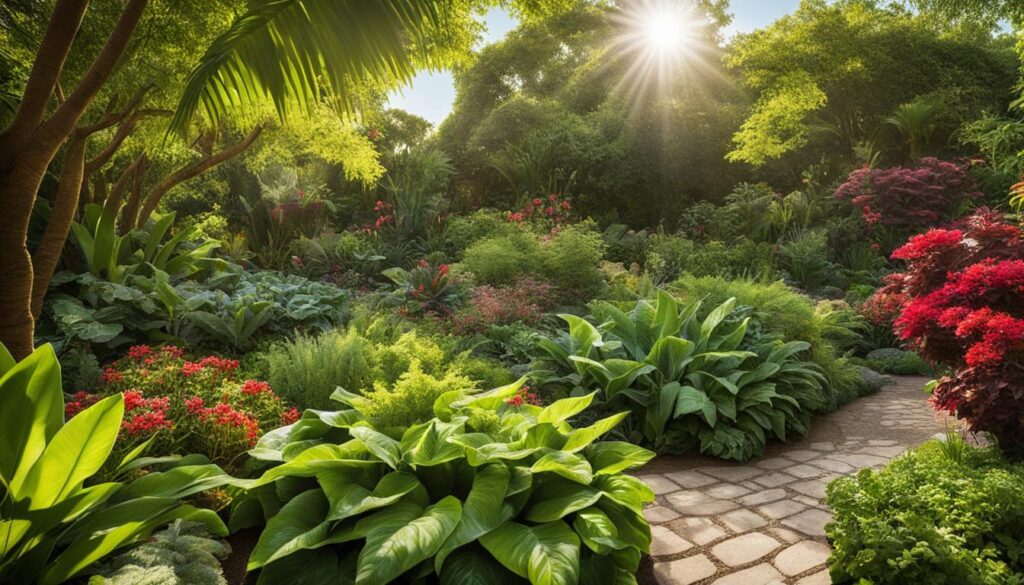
<point x="763" y="523"/>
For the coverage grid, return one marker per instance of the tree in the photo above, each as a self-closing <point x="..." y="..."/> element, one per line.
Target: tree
<point x="277" y="50"/>
<point x="847" y="65"/>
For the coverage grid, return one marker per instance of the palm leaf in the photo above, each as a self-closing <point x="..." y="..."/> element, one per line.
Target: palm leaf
<point x="295" y="51"/>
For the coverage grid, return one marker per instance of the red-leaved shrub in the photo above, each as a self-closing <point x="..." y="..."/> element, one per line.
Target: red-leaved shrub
<point x="960" y="304"/>
<point x="909" y="199"/>
<point x="523" y="302"/>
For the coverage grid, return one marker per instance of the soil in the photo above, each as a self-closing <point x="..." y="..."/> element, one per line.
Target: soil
<point x="242" y="543"/>
<point x="645" y="576"/>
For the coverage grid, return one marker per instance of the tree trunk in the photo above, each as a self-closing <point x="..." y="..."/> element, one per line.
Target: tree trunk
<point x="28" y="146"/>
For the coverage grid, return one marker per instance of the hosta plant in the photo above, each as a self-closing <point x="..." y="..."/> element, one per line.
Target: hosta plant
<point x="492" y="490"/>
<point x="56" y="519"/>
<point x="687" y="381"/>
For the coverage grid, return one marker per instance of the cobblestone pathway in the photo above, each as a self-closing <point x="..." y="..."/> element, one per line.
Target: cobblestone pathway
<point x="763" y="523"/>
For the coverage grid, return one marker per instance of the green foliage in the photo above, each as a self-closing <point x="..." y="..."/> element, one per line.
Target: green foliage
<point x="570" y="261"/>
<point x="687" y="381"/>
<point x="183" y="554"/>
<point x="898" y="362"/>
<point x="830" y="329"/>
<point x="503" y="259"/>
<point x="463" y="231"/>
<point x="928" y="518"/>
<point x="53" y="526"/>
<point x="410" y="400"/>
<point x="484" y="490"/>
<point x="804" y="257"/>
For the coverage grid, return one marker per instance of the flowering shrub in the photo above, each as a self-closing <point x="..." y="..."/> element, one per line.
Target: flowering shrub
<point x="427" y="288"/>
<point x="550" y="211"/>
<point x="524" y="302"/>
<point x="961" y="305"/>
<point x="201" y="405"/>
<point x="908" y="199"/>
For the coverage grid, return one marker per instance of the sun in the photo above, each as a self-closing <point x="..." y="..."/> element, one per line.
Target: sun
<point x="663" y="29"/>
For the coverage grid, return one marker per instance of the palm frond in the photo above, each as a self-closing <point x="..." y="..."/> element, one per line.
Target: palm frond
<point x="296" y="52"/>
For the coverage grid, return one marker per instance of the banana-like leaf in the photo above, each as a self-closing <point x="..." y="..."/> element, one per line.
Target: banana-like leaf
<point x="300" y="525"/>
<point x="483" y="511"/>
<point x="608" y="457"/>
<point x="392" y="549"/>
<point x="546" y="554"/>
<point x="31" y="409"/>
<point x="567" y="465"/>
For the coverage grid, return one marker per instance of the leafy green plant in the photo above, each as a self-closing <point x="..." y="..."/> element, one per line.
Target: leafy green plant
<point x="687" y="381"/>
<point x="54" y="525"/>
<point x="486" y="490"/>
<point x="237" y="330"/>
<point x="929" y="518"/>
<point x="183" y="554"/>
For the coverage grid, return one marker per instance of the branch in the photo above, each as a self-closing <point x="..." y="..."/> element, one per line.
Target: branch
<point x="64" y="119"/>
<point x="126" y="120"/>
<point x="190" y="171"/>
<point x="53" y="51"/>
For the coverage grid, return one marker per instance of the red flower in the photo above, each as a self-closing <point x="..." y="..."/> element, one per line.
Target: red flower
<point x="296" y="261"/>
<point x="255" y="388"/>
<point x="290" y="416"/>
<point x="137" y="352"/>
<point x="194" y="405"/>
<point x="537" y="202"/>
<point x="190" y="368"/>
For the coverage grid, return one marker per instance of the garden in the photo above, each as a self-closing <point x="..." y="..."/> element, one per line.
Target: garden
<point x="676" y="291"/>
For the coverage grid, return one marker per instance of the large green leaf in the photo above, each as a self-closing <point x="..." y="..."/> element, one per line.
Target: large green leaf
<point x="31" y="409"/>
<point x="348" y="498"/>
<point x="546" y="554"/>
<point x="670" y="355"/>
<point x="394" y="549"/>
<point x="427" y="444"/>
<point x="567" y="465"/>
<point x="381" y="445"/>
<point x="301" y="524"/>
<point x="476" y="567"/>
<point x="564" y="409"/>
<point x="691" y="400"/>
<point x="581" y="438"/>
<point x="558" y="497"/>
<point x="310" y="567"/>
<point x="597" y="531"/>
<point x="76" y="452"/>
<point x="610" y="457"/>
<point x="483" y="511"/>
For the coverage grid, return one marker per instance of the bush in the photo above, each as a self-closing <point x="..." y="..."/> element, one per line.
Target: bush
<point x="961" y="304"/>
<point x="898" y="362"/>
<point x="687" y="381"/>
<point x="196" y="406"/>
<point x="501" y="260"/>
<point x="931" y="519"/>
<point x="524" y="302"/>
<point x="410" y="400"/>
<point x="781" y="310"/>
<point x="306" y="370"/>
<point x="184" y="554"/>
<point x="461" y="232"/>
<point x="906" y="200"/>
<point x="493" y="486"/>
<point x="570" y="261"/>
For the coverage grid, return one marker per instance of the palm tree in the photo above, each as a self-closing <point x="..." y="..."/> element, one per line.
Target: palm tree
<point x="916" y="122"/>
<point x="293" y="52"/>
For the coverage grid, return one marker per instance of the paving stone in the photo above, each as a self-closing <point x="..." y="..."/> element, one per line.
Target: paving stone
<point x="784" y="534"/>
<point x="709" y="508"/>
<point x="782" y="508"/>
<point x="763" y="574"/>
<point x="734" y="474"/>
<point x="684" y="571"/>
<point x="823" y="446"/>
<point x="751" y="486"/>
<point x="726" y="491"/>
<point x="690" y="479"/>
<point x="742" y="520"/>
<point x="881" y="442"/>
<point x="744" y="549"/>
<point x="802" y="557"/>
<point x="814" y="488"/>
<point x="804" y="471"/>
<point x="801" y="454"/>
<point x="664" y="542"/>
<point x="811" y="522"/>
<point x="859" y="460"/>
<point x="660" y="514"/>
<point x="887" y="452"/>
<point x="763" y="497"/>
<point x="697" y="530"/>
<point x="774" y="463"/>
<point x="813" y="502"/>
<point x="819" y="578"/>
<point x="659" y="484"/>
<point x="775" y="479"/>
<point x="832" y="465"/>
<point x="687" y="498"/>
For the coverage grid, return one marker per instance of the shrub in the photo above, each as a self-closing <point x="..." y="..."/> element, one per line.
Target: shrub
<point x="523" y="302"/>
<point x="501" y="260"/>
<point x="199" y="406"/>
<point x="426" y="289"/>
<point x="54" y="526"/>
<point x="571" y="257"/>
<point x="307" y="369"/>
<point x="183" y="554"/>
<point x="781" y="310"/>
<point x="805" y="258"/>
<point x="461" y="232"/>
<point x="488" y="487"/>
<point x="898" y="362"/>
<point x="668" y="256"/>
<point x="410" y="400"/>
<point x="961" y="306"/>
<point x="739" y="258"/>
<point x="930" y="519"/>
<point x="908" y="199"/>
<point x="687" y="381"/>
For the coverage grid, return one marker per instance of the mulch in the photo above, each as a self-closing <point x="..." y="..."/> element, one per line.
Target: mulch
<point x="242" y="543"/>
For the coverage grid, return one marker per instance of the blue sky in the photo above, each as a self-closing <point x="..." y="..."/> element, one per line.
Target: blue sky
<point x="430" y="95"/>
